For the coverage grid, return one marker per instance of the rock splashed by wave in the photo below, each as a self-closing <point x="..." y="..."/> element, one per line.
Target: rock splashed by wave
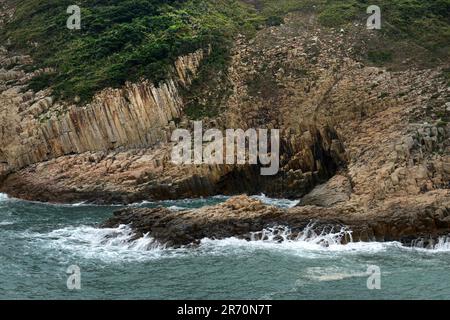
<point x="114" y="245"/>
<point x="3" y="197"/>
<point x="327" y="237"/>
<point x="121" y="244"/>
<point x="441" y="244"/>
<point x="109" y="245"/>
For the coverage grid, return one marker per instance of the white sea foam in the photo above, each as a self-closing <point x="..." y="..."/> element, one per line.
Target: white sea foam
<point x="283" y="234"/>
<point x="119" y="244"/>
<point x="109" y="245"/>
<point x="282" y="203"/>
<point x="176" y="208"/>
<point x="63" y="205"/>
<point x="332" y="273"/>
<point x="79" y="204"/>
<point x="141" y="204"/>
<point x="308" y="243"/>
<point x="304" y="249"/>
<point x="3" y="197"/>
<point x="442" y="244"/>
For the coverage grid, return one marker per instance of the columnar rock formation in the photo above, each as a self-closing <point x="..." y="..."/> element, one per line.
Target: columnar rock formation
<point x="135" y="116"/>
<point x="382" y="130"/>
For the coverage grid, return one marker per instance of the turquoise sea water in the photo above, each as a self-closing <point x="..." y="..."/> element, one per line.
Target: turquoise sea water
<point x="38" y="242"/>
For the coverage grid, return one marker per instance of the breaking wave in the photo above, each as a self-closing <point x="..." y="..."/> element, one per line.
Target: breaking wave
<point x="325" y="238"/>
<point x="115" y="245"/>
<point x="182" y="204"/>
<point x="109" y="245"/>
<point x="3" y="197"/>
<point x="308" y="243"/>
<point x="311" y="243"/>
<point x="442" y="244"/>
<point x="120" y="244"/>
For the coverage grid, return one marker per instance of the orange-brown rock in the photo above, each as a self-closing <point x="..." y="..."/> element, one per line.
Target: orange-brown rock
<point x="383" y="129"/>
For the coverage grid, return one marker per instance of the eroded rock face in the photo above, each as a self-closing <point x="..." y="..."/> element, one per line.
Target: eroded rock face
<point x="379" y="128"/>
<point x="35" y="129"/>
<point x="401" y="220"/>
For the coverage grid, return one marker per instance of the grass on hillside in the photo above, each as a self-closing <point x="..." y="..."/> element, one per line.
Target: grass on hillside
<point x="120" y="40"/>
<point x="125" y="40"/>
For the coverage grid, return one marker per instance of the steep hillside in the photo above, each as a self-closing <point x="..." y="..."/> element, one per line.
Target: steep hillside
<point x="118" y="40"/>
<point x="130" y="40"/>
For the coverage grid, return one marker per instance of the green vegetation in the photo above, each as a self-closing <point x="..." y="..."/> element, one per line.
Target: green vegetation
<point x="425" y="23"/>
<point x="337" y="14"/>
<point x="125" y="40"/>
<point x="280" y="7"/>
<point x="120" y="40"/>
<point x="446" y="74"/>
<point x="274" y="21"/>
<point x="383" y="95"/>
<point x="379" y="57"/>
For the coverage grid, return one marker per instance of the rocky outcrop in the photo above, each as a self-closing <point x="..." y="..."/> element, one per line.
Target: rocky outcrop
<point x="402" y="220"/>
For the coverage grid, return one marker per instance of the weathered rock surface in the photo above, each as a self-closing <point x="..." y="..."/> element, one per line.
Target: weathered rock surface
<point x="337" y="190"/>
<point x="135" y="116"/>
<point x="402" y="220"/>
<point x="384" y="130"/>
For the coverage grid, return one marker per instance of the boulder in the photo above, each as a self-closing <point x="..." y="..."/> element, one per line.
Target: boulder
<point x="338" y="189"/>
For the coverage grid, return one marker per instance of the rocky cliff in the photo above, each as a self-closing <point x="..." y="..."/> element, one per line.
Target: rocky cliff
<point x="382" y="130"/>
<point x="38" y="129"/>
